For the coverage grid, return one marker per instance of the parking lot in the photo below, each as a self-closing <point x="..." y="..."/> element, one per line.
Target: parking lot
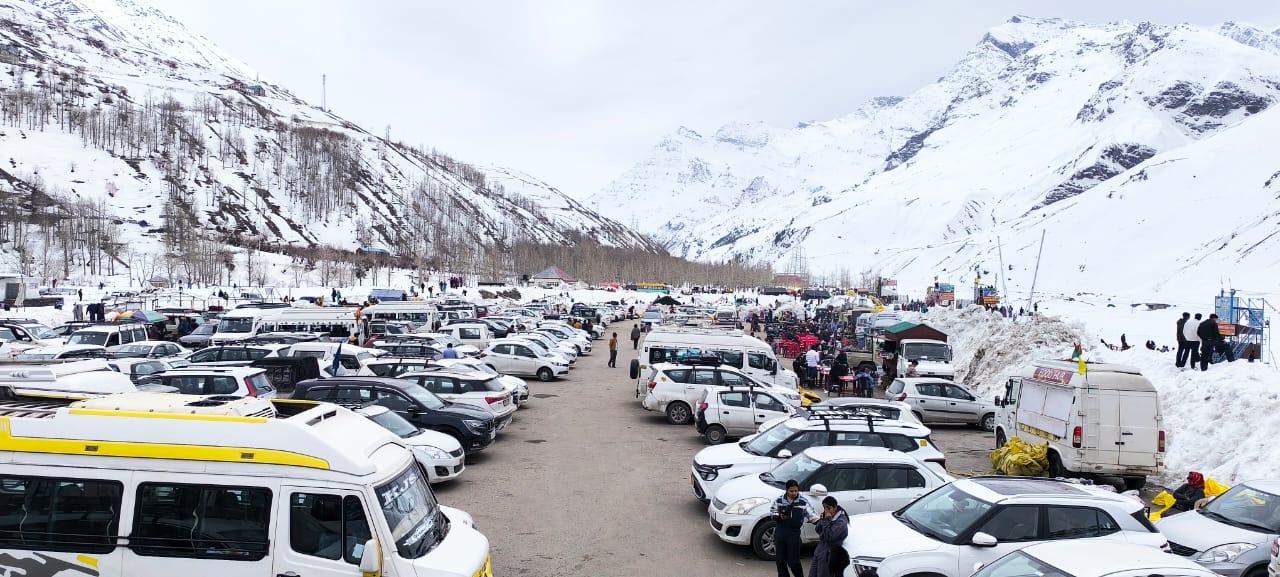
<point x="586" y="482"/>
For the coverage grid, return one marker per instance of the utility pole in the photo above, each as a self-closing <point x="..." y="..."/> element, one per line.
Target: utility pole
<point x="1004" y="288"/>
<point x="324" y="89"/>
<point x="1032" y="297"/>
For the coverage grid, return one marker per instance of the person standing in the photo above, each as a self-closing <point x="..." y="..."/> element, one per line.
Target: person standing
<point x="811" y="360"/>
<point x="449" y="352"/>
<point x="830" y="558"/>
<point x="635" y="337"/>
<point x="1190" y="331"/>
<point x="790" y="511"/>
<point x="1209" y="337"/>
<point x="1184" y="348"/>
<point x="613" y="351"/>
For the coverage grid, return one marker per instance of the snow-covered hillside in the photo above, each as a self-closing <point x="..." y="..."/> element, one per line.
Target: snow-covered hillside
<point x="113" y="104"/>
<point x="1144" y="152"/>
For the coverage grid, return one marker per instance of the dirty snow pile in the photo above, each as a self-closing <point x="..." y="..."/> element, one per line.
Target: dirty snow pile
<point x="1220" y="422"/>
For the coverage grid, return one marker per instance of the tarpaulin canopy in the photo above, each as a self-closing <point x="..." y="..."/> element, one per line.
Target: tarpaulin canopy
<point x="384" y="295"/>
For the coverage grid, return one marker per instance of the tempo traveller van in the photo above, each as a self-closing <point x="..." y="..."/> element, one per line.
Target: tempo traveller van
<point x="752" y="356"/>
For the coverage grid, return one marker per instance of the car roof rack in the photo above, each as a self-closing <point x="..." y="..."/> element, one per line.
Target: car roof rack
<point x="827" y="415"/>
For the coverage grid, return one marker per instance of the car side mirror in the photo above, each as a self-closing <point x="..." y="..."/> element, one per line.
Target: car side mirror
<point x="371" y="558"/>
<point x="997" y="401"/>
<point x="981" y="539"/>
<point x="784" y="454"/>
<point x="818" y="490"/>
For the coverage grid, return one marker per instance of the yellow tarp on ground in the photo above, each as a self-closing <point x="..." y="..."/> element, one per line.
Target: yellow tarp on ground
<point x="1017" y="457"/>
<point x="1165" y="499"/>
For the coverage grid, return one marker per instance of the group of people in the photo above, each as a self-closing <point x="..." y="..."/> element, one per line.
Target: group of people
<point x="1198" y="340"/>
<point x="807" y="367"/>
<point x="792" y="511"/>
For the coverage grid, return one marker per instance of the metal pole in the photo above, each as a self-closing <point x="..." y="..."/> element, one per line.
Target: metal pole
<point x="1032" y="297"/>
<point x="1004" y="288"/>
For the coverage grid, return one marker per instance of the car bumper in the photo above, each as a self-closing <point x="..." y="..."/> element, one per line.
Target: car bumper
<point x="651" y="404"/>
<point x="1227" y="569"/>
<point x="441" y="470"/>
<point x="481" y="442"/>
<point x="503" y="421"/>
<point x="734" y="529"/>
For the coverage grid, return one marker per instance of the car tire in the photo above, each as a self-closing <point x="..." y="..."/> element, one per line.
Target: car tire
<point x="988" y="422"/>
<point x="1134" y="483"/>
<point x="633" y="370"/>
<point x="1000" y="440"/>
<point x="714" y="434"/>
<point x="679" y="413"/>
<point x="545" y="374"/>
<point x="762" y="539"/>
<point x="1056" y="469"/>
<point x="866" y="367"/>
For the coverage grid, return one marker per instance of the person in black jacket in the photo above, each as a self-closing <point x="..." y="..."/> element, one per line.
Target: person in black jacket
<point x="839" y="368"/>
<point x="1209" y="339"/>
<point x="1184" y="347"/>
<point x="790" y="511"/>
<point x="1190" y="492"/>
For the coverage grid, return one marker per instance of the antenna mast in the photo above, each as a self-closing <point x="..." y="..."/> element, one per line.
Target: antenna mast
<point x="324" y="85"/>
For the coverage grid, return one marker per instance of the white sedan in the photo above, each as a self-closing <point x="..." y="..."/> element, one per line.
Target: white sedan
<point x="151" y="350"/>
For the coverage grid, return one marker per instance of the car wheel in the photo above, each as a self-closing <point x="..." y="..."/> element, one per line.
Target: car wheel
<point x="578" y="348"/>
<point x="634" y="369"/>
<point x="714" y="434"/>
<point x="988" y="422"/>
<point x="1056" y="469"/>
<point x="1000" y="440"/>
<point x="866" y="367"/>
<point x="1134" y="483"/>
<point x="762" y="540"/>
<point x="678" y="413"/>
<point x="545" y="374"/>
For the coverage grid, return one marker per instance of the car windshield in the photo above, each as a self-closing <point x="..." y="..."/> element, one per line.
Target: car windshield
<point x="448" y="340"/>
<point x="943" y="514"/>
<point x="1020" y="564"/>
<point x="412" y="513"/>
<point x="486" y="369"/>
<point x="927" y="352"/>
<point x="88" y="338"/>
<point x="1246" y="507"/>
<point x="765" y="442"/>
<point x="41" y="332"/>
<point x="134" y="349"/>
<point x="797" y="468"/>
<point x="235" y="325"/>
<point x="424" y="397"/>
<point x="204" y="329"/>
<point x="393" y="422"/>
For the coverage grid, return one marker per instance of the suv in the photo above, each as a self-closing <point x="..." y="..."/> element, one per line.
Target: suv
<point x="713" y="466"/>
<point x="518" y="357"/>
<point x="862" y="479"/>
<point x="674" y="389"/>
<point x="473" y="427"/>
<point x="239" y="381"/>
<point x="935" y="400"/>
<point x="737" y="411"/>
<point x="976" y="521"/>
<point x="236" y="355"/>
<point x="467" y="387"/>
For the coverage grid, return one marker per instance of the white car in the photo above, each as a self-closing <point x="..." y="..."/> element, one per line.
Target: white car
<point x="862" y="479"/>
<point x="521" y="387"/>
<point x="567" y="349"/>
<point x="971" y="521"/>
<point x="442" y="341"/>
<point x="236" y="355"/>
<point x="1081" y="558"/>
<point x="716" y="465"/>
<point x="469" y="388"/>
<point x="725" y="412"/>
<point x="675" y="389"/>
<point x="440" y="454"/>
<point x="563" y="333"/>
<point x="935" y="400"/>
<point x="858" y="405"/>
<point x="62" y="352"/>
<point x="151" y="350"/>
<point x="520" y="357"/>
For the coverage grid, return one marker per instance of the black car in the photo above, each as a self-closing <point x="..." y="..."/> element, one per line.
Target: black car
<point x="472" y="426"/>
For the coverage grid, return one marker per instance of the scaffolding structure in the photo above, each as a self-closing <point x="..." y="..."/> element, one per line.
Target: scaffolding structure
<point x="1247" y="320"/>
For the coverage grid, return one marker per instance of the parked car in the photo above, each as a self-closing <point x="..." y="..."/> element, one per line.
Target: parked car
<point x="675" y="389"/>
<point x="467" y="387"/>
<point x="236" y="355"/>
<point x="892" y="410"/>
<point x="563" y="333"/>
<point x="145" y="371"/>
<point x="978" y="520"/>
<point x="935" y="400"/>
<point x="521" y="357"/>
<point x="441" y="341"/>
<point x="1232" y="535"/>
<point x="200" y="337"/>
<point x="151" y="350"/>
<point x="394" y="366"/>
<point x="716" y="465"/>
<point x="63" y="352"/>
<point x="238" y="381"/>
<point x="517" y="383"/>
<point x="473" y="427"/>
<point x="565" y="349"/>
<point x="1089" y="558"/>
<point x="440" y="454"/>
<point x="862" y="479"/>
<point x="735" y="411"/>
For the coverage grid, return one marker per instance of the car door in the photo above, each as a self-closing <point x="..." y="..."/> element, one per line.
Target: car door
<point x="1064" y="522"/>
<point x="699" y="379"/>
<point x="320" y="531"/>
<point x="766" y="408"/>
<point x="1009" y="406"/>
<point x="895" y="486"/>
<point x="1014" y="527"/>
<point x="735" y="412"/>
<point x="930" y="402"/>
<point x="849" y="483"/>
<point x="961" y="406"/>
<point x="526" y="360"/>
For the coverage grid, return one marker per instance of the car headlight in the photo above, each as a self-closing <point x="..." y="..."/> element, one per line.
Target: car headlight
<point x="1225" y="553"/>
<point x="744" y="506"/>
<point x="432" y="452"/>
<point x="475" y="426"/>
<point x="865" y="566"/>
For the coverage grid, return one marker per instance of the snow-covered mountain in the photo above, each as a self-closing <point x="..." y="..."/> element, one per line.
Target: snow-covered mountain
<point x="113" y="105"/>
<point x="1144" y="152"/>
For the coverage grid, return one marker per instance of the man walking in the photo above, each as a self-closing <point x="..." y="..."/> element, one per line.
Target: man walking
<point x="1184" y="350"/>
<point x="613" y="351"/>
<point x="635" y="337"/>
<point x="1209" y="338"/>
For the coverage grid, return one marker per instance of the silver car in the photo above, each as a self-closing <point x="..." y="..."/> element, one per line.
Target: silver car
<point x="935" y="400"/>
<point x="1232" y="535"/>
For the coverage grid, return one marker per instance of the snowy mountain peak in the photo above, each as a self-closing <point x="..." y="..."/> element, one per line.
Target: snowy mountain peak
<point x="1252" y="36"/>
<point x="1020" y="34"/>
<point x="744" y="134"/>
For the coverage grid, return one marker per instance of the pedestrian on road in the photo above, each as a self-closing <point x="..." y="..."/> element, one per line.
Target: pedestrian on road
<point x="1209" y="338"/>
<point x="830" y="558"/>
<point x="613" y="351"/>
<point x="1184" y="346"/>
<point x="635" y="337"/>
<point x="449" y="352"/>
<point x="791" y="511"/>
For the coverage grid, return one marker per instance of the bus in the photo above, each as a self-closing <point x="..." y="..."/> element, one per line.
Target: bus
<point x="653" y="287"/>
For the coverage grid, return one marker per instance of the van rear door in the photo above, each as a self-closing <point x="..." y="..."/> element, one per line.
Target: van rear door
<point x="1139" y="428"/>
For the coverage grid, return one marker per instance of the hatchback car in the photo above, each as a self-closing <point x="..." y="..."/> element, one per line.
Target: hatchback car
<point x="935" y="400"/>
<point x="236" y="355"/>
<point x="862" y="479"/>
<point x="151" y="350"/>
<point x="970" y="521"/>
<point x="521" y="387"/>
<point x="520" y="357"/>
<point x="199" y="338"/>
<point x="239" y="381"/>
<point x="675" y="389"/>
<point x="469" y="388"/>
<point x="1233" y="533"/>
<point x="725" y="412"/>
<point x="145" y="371"/>
<point x="440" y="454"/>
<point x="1088" y="558"/>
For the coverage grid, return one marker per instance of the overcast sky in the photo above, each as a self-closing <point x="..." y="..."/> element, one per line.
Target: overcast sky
<point x="576" y="91"/>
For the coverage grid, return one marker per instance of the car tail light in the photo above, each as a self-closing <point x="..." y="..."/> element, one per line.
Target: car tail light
<point x="494" y="400"/>
<point x="652" y="384"/>
<point x="1275" y="547"/>
<point x="702" y="407"/>
<point x="1160" y="442"/>
<point x="482" y="355"/>
<point x="248" y="384"/>
<point x="1077" y="437"/>
<point x="902" y="396"/>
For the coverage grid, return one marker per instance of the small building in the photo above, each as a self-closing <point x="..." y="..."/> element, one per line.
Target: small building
<point x="256" y="90"/>
<point x="905" y="330"/>
<point x="552" y="277"/>
<point x="12" y="285"/>
<point x="11" y="54"/>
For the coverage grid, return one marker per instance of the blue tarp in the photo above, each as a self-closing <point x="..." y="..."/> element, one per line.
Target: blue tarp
<point x="384" y="295"/>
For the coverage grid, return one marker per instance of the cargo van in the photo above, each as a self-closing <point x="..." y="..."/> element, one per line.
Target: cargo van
<point x="176" y="485"/>
<point x="421" y="314"/>
<point x="109" y="336"/>
<point x="752" y="356"/>
<point x="239" y="324"/>
<point x="474" y="334"/>
<point x="1103" y="420"/>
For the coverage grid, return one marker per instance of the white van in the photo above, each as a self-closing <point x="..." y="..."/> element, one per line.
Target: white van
<point x="78" y="379"/>
<point x="351" y="359"/>
<point x="421" y="314"/>
<point x="316" y="490"/>
<point x="335" y="324"/>
<point x="474" y="334"/>
<point x="735" y="348"/>
<point x="239" y="324"/>
<point x="108" y="335"/>
<point x="1105" y="421"/>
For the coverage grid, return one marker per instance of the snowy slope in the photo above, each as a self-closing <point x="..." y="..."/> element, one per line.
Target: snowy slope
<point x="115" y="102"/>
<point x="1141" y="149"/>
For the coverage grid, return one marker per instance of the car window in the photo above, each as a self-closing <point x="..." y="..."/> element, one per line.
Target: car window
<point x="766" y="402"/>
<point x="205" y="356"/>
<point x="758" y="361"/>
<point x="889" y="477"/>
<point x="844" y="478"/>
<point x="955" y="392"/>
<point x="679" y="375"/>
<point x="187" y="385"/>
<point x="392" y="400"/>
<point x="929" y="389"/>
<point x="735" y="399"/>
<point x="804" y="440"/>
<point x="1078" y="522"/>
<point x="703" y="377"/>
<point x="349" y="362"/>
<point x="503" y="350"/>
<point x="524" y="351"/>
<point x="469" y="333"/>
<point x="858" y="439"/>
<point x="359" y="394"/>
<point x="1014" y="523"/>
<point x="896" y="386"/>
<point x="223" y="385"/>
<point x="384" y="370"/>
<point x="148" y="368"/>
<point x="731" y="358"/>
<point x="728" y="378"/>
<point x="6" y="334"/>
<point x="234" y="355"/>
<point x="900" y="442"/>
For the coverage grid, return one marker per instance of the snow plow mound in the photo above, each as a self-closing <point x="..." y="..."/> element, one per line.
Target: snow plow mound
<point x="1017" y="457"/>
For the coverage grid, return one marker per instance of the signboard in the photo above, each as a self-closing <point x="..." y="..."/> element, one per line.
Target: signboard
<point x="1051" y="375"/>
<point x="1226" y="329"/>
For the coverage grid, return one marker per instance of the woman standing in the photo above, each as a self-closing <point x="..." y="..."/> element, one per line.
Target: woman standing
<point x="830" y="558"/>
